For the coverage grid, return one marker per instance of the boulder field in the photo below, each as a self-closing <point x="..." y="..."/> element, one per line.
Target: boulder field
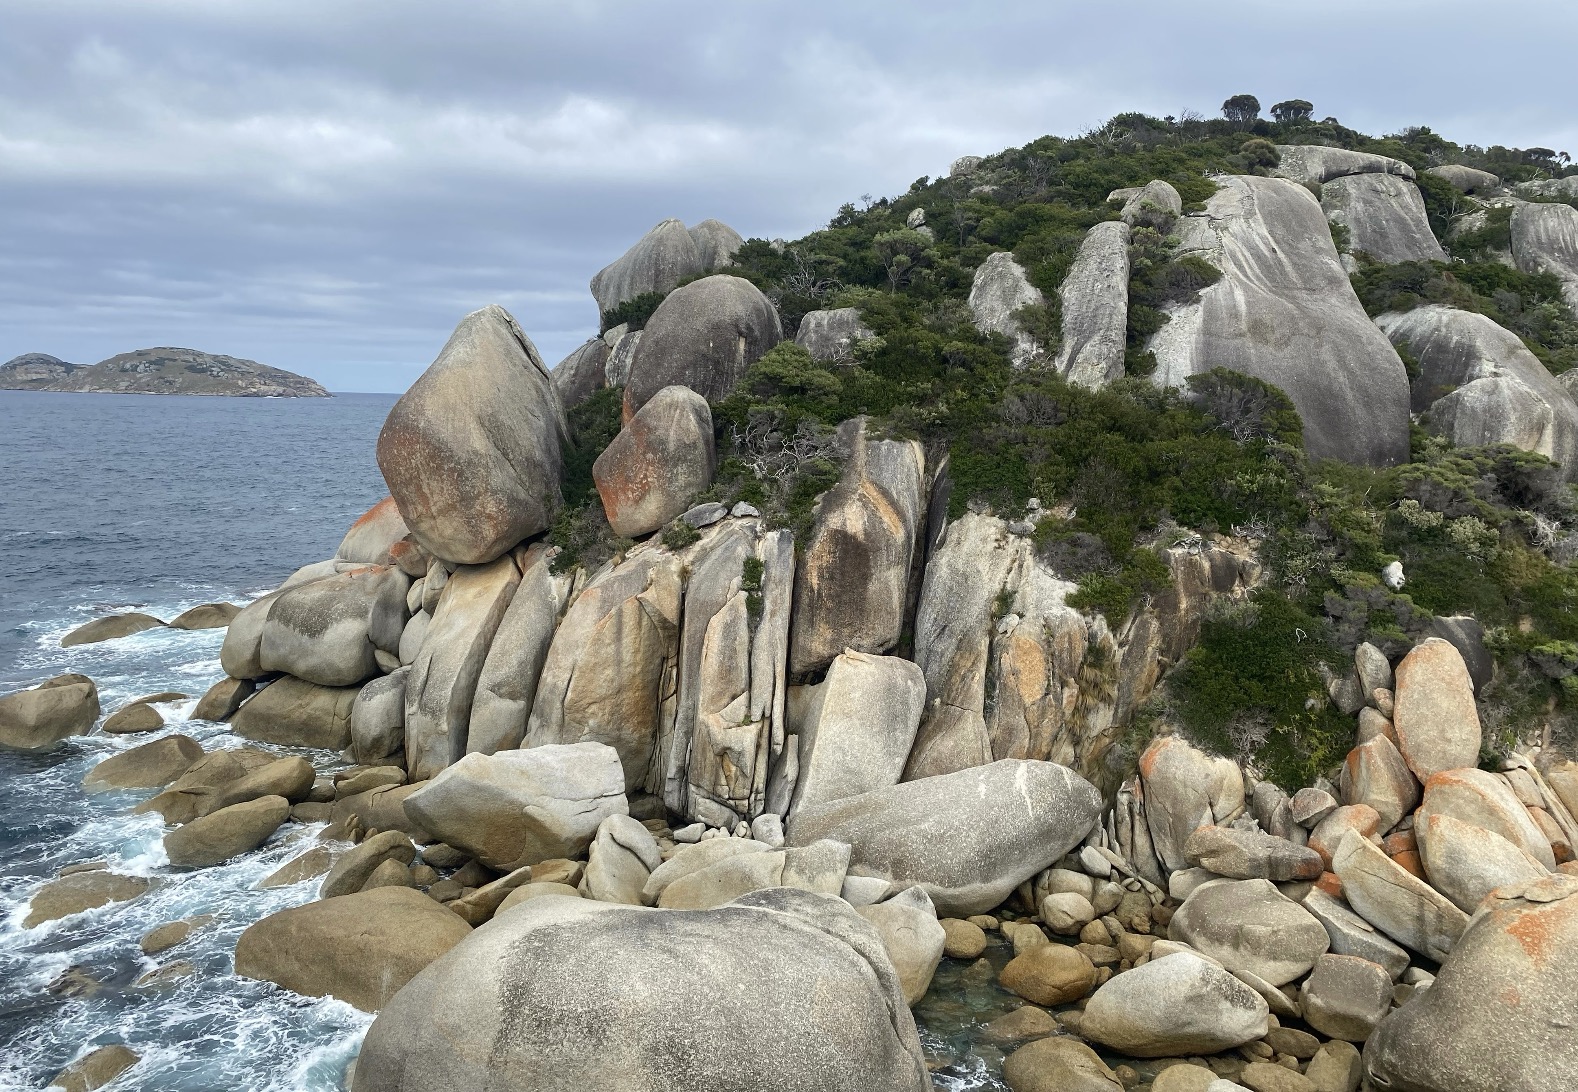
<point x="709" y="809"/>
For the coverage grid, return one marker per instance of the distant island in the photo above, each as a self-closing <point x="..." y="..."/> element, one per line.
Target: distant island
<point x="162" y="370"/>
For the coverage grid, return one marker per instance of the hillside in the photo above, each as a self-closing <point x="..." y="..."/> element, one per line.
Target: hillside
<point x="158" y="371"/>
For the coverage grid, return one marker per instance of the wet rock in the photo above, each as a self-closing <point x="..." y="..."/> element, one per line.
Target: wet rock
<point x="1247" y="855"/>
<point x="134" y="718"/>
<point x="374" y="532"/>
<point x="1095" y="307"/>
<point x="914" y="941"/>
<point x="857" y="727"/>
<point x="1399" y="904"/>
<point x="223" y="699"/>
<point x="1023" y="1023"/>
<point x="206" y="616"/>
<point x="229" y="832"/>
<point x="837" y="1022"/>
<point x="38" y="719"/>
<point x="703" y="336"/>
<point x="1501" y="1011"/>
<point x="962" y="939"/>
<point x="1385" y="216"/>
<point x="96" y="1069"/>
<point x="515" y="808"/>
<point x="352" y="871"/>
<point x="968" y="838"/>
<point x="151" y="766"/>
<point x="658" y="464"/>
<point x="1434" y="715"/>
<point x="162" y="938"/>
<point x="1049" y="974"/>
<point x="290" y="777"/>
<point x="581" y="374"/>
<point x="310" y="865"/>
<point x="109" y="628"/>
<point x="1345" y="997"/>
<point x="1000" y="288"/>
<point x="81" y="891"/>
<point x="1177" y="1005"/>
<point x="293" y="713"/>
<point x="474" y="476"/>
<point x="1058" y="1065"/>
<point x="831" y="335"/>
<point x="852" y="583"/>
<point x="1248" y="925"/>
<point x="360" y="948"/>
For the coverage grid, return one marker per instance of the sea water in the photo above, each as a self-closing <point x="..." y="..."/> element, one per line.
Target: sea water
<point x="112" y="503"/>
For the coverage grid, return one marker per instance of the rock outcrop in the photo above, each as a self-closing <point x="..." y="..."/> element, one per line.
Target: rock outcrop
<point x="1466" y="179"/>
<point x="1478" y="384"/>
<point x="831" y="335"/>
<point x="581" y="374"/>
<point x="1001" y="287"/>
<point x="1316" y="163"/>
<point x="1385" y="216"/>
<point x="1285" y="312"/>
<point x="1545" y="240"/>
<point x="471" y="453"/>
<point x="162" y="370"/>
<point x="857" y="727"/>
<point x="703" y="336"/>
<point x="658" y="464"/>
<point x="662" y="258"/>
<point x="1095" y="297"/>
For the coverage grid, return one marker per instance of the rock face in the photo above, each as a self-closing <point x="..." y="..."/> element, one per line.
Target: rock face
<point x="658" y="464"/>
<point x="1385" y="216"/>
<point x="360" y="948"/>
<point x="38" y="719"/>
<point x="322" y="631"/>
<point x="1176" y="1005"/>
<point x="581" y="374"/>
<point x="516" y="808"/>
<point x="162" y="370"/>
<point x="1186" y="789"/>
<point x="1001" y="287"/>
<point x="967" y="838"/>
<point x="1285" y="312"/>
<point x="443" y="679"/>
<point x="1248" y="925"/>
<point x="658" y="261"/>
<point x="1479" y="384"/>
<point x="1466" y="179"/>
<point x="716" y="243"/>
<point x="1545" y="240"/>
<point x="1095" y="297"/>
<point x="471" y="453"/>
<point x="837" y="1021"/>
<point x="507" y="684"/>
<point x="856" y="732"/>
<point x="378" y="721"/>
<point x="1500" y="1013"/>
<point x="1316" y="163"/>
<point x="852" y="584"/>
<point x="370" y="537"/>
<point x="831" y="335"/>
<point x="1434" y="715"/>
<point x="703" y="336"/>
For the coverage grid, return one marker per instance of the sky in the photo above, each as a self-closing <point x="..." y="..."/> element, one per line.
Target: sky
<point x="329" y="186"/>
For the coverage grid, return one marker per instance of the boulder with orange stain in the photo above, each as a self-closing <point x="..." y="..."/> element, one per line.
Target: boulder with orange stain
<point x="658" y="464"/>
<point x="1328" y="834"/>
<point x="1186" y="789"/>
<point x="1466" y="862"/>
<point x="1394" y="900"/>
<point x="1502" y="1013"/>
<point x="1485" y="800"/>
<point x="1434" y="715"/>
<point x="1375" y="774"/>
<point x="373" y="535"/>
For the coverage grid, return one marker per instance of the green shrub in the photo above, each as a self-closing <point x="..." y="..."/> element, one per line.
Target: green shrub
<point x="633" y="312"/>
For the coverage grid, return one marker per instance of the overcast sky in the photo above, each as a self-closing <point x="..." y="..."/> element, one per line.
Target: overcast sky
<point x="327" y="186"/>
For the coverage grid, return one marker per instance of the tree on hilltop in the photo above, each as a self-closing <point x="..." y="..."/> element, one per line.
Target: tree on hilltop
<point x="1293" y="110"/>
<point x="1242" y="109"/>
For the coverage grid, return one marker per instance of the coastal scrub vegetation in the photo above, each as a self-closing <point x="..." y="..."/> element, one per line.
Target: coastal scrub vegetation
<point x="1119" y="474"/>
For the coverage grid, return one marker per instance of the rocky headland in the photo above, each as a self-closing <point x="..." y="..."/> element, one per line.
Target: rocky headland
<point x="1129" y="574"/>
<point x="158" y="371"/>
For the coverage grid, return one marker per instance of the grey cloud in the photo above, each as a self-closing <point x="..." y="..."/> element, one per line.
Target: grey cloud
<point x="328" y="186"/>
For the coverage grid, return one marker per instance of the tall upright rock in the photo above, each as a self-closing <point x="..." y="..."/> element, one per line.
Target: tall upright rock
<point x="1545" y="240"/>
<point x="1285" y="312"/>
<point x="1095" y="297"/>
<point x="1001" y="287"/>
<point x="472" y="452"/>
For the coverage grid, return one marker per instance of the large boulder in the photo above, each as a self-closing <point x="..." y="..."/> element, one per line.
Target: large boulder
<point x="1186" y="789"/>
<point x="968" y="838"/>
<point x="1466" y="179"/>
<point x="1467" y="862"/>
<point x="1396" y="901"/>
<point x="658" y="464"/>
<point x="1545" y="240"/>
<point x="361" y="948"/>
<point x="1248" y="925"/>
<point x="444" y="675"/>
<point x="831" y="335"/>
<point x="1352" y="935"/>
<point x="912" y="937"/>
<point x="703" y="336"/>
<point x="581" y="374"/>
<point x="657" y="262"/>
<point x="1375" y="774"/>
<point x="151" y="766"/>
<point x="226" y="833"/>
<point x="508" y="1008"/>
<point x="1499" y="1016"/>
<point x="516" y="808"/>
<point x="38" y="719"/>
<point x="1385" y="217"/>
<point x="1251" y="855"/>
<point x="370" y="537"/>
<point x="508" y="683"/>
<point x="1059" y="1064"/>
<point x="193" y="792"/>
<point x="1000" y="288"/>
<point x="472" y="452"/>
<point x="1095" y="297"/>
<point x="1484" y="800"/>
<point x="1156" y="205"/>
<point x="110" y="628"/>
<point x="852" y="584"/>
<point x="323" y="631"/>
<point x="293" y="713"/>
<point x="857" y="727"/>
<point x="1176" y="1005"/>
<point x="378" y="721"/>
<point x="1285" y="312"/>
<point x="1317" y="163"/>
<point x="1479" y="384"/>
<point x="716" y="243"/>
<point x="1434" y="715"/>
